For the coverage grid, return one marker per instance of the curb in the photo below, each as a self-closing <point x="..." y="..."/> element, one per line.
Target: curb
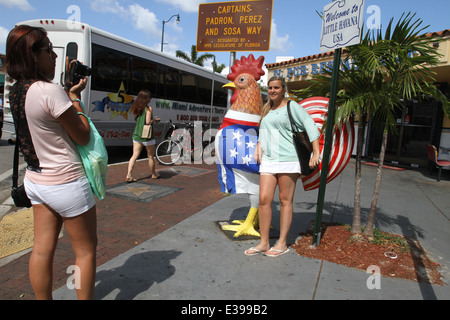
<point x="5" y="207"/>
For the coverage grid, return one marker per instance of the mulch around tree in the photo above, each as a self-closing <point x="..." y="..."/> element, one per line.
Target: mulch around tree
<point x="396" y="256"/>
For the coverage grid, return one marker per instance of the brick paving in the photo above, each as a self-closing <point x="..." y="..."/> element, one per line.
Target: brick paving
<point x="124" y="223"/>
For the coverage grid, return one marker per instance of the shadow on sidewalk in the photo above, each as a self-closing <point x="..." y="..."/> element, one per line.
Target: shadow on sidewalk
<point x="418" y="254"/>
<point x="136" y="275"/>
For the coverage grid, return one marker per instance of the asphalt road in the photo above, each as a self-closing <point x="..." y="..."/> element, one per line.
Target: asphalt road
<point x="6" y="164"/>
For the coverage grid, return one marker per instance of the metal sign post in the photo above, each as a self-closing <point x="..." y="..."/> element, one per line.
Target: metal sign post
<point x="327" y="147"/>
<point x="341" y="27"/>
<point x="212" y="93"/>
<point x="232" y="61"/>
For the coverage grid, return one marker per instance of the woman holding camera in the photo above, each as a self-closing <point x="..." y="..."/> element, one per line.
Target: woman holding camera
<point x="47" y="125"/>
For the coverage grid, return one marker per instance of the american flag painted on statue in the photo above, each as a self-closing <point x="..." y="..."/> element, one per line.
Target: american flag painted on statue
<point x="342" y="146"/>
<point x="235" y="145"/>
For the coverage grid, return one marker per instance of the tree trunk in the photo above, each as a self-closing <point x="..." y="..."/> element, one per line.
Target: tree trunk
<point x="373" y="207"/>
<point x="356" y="224"/>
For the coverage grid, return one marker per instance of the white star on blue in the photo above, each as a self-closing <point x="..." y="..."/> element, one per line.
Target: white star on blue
<point x="236" y="146"/>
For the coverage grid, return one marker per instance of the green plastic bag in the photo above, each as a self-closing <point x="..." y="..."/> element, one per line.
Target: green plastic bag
<point x="95" y="161"/>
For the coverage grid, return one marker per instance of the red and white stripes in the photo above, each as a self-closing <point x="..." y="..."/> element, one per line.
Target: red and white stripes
<point x="342" y="146"/>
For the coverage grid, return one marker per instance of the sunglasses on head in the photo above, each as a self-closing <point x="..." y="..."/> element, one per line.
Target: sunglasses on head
<point x="49" y="48"/>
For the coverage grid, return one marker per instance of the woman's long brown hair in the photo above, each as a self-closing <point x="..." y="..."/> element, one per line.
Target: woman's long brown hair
<point x="140" y="103"/>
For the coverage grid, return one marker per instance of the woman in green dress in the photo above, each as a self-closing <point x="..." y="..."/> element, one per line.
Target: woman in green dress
<point x="143" y="114"/>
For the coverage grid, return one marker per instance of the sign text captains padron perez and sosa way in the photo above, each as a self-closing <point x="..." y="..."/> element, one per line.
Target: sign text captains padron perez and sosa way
<point x="234" y="26"/>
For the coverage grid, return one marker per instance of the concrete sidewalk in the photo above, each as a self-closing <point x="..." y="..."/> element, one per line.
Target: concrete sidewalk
<point x="195" y="260"/>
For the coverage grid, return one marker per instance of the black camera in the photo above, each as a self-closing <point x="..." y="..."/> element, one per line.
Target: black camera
<point x="78" y="72"/>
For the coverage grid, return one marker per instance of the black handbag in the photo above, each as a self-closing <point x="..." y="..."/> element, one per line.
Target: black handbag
<point x="18" y="193"/>
<point x="302" y="145"/>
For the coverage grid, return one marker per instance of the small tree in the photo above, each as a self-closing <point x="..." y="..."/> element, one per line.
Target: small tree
<point x="218" y="68"/>
<point x="194" y="57"/>
<point x="358" y="95"/>
<point x="384" y="71"/>
<point x="406" y="66"/>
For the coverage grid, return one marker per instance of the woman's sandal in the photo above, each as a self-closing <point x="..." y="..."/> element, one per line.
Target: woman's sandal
<point x="130" y="180"/>
<point x="252" y="252"/>
<point x="276" y="253"/>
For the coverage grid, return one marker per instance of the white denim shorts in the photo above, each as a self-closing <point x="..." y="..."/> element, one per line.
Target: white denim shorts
<point x="147" y="143"/>
<point x="279" y="167"/>
<point x="69" y="199"/>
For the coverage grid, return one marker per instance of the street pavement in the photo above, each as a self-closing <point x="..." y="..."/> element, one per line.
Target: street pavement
<point x="165" y="244"/>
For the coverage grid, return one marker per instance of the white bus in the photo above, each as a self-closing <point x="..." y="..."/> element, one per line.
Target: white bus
<point x="182" y="91"/>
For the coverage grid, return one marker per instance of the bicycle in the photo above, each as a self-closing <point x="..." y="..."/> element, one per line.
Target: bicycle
<point x="180" y="145"/>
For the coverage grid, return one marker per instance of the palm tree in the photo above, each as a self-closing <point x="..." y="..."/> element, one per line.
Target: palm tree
<point x="406" y="60"/>
<point x="383" y="72"/>
<point x="218" y="68"/>
<point x="194" y="57"/>
<point x="358" y="94"/>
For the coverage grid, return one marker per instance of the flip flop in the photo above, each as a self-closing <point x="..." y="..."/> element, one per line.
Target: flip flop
<point x="131" y="180"/>
<point x="156" y="177"/>
<point x="254" y="253"/>
<point x="278" y="252"/>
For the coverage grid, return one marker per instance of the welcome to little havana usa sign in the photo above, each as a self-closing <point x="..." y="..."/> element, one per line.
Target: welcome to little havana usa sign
<point x="341" y="24"/>
<point x="234" y="26"/>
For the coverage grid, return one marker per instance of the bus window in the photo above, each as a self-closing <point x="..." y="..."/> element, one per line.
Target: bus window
<point x="72" y="54"/>
<point x="188" y="87"/>
<point x="144" y="75"/>
<point x="110" y="69"/>
<point x="204" y="90"/>
<point x="220" y="95"/>
<point x="72" y="51"/>
<point x="169" y="83"/>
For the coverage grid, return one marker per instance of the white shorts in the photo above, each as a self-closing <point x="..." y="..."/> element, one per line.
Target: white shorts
<point x="279" y="167"/>
<point x="146" y="143"/>
<point x="69" y="199"/>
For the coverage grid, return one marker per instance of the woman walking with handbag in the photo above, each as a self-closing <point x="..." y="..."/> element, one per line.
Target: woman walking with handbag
<point x="279" y="164"/>
<point x="47" y="125"/>
<point x="143" y="138"/>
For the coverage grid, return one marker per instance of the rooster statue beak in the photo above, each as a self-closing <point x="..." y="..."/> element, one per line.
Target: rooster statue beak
<point x="230" y="86"/>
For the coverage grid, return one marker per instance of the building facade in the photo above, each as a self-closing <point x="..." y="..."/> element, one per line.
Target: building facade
<point x="418" y="124"/>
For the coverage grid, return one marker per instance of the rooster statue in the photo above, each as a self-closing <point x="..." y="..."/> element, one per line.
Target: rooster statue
<point x="237" y="138"/>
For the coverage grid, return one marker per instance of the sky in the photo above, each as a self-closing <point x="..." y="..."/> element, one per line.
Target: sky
<point x="296" y="27"/>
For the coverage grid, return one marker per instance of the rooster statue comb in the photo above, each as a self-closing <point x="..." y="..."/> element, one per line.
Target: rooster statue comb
<point x="244" y="76"/>
<point x="247" y="65"/>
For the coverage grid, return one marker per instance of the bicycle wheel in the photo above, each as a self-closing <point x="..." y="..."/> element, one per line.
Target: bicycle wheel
<point x="168" y="152"/>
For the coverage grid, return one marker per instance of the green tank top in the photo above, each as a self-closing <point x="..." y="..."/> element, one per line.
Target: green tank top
<point x="140" y="121"/>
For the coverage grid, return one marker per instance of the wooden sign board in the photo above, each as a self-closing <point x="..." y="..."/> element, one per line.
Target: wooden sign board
<point x="234" y="26"/>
